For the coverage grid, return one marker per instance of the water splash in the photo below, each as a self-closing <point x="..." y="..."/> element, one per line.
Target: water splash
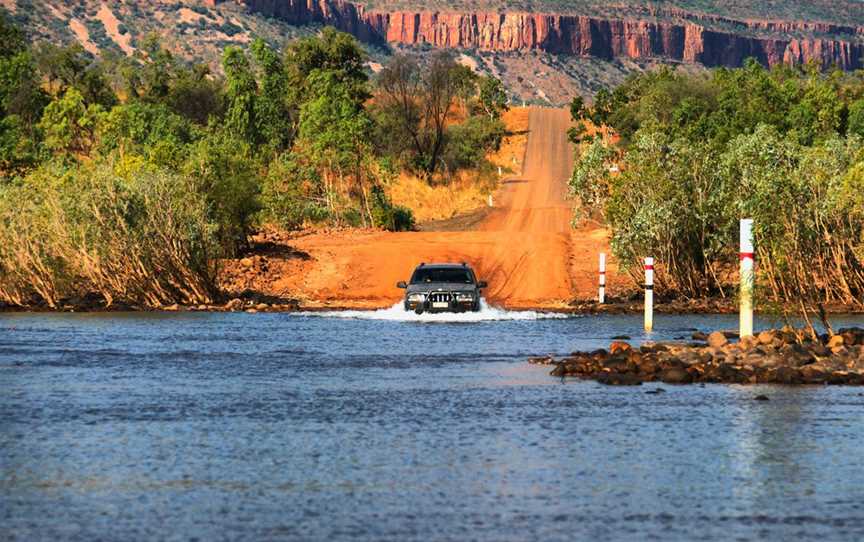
<point x="397" y="313"/>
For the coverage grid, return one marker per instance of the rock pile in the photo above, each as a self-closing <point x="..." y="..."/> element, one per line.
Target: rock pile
<point x="782" y="356"/>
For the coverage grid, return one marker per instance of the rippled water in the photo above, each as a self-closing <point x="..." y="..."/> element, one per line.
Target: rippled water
<point x="310" y="427"/>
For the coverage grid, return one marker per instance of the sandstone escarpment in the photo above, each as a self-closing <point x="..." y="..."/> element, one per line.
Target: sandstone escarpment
<point x="671" y="35"/>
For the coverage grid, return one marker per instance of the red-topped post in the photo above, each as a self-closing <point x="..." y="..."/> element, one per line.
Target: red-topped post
<point x="649" y="294"/>
<point x="747" y="258"/>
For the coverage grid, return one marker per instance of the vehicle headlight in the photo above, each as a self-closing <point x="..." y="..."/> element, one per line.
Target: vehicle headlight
<point x="465" y="296"/>
<point x="417" y="298"/>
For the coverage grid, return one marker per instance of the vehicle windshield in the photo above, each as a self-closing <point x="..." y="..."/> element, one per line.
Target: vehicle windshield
<point x="431" y="274"/>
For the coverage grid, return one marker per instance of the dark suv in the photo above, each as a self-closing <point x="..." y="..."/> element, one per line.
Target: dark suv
<point x="442" y="287"/>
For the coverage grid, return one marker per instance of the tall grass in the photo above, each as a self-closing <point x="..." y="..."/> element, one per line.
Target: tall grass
<point x="144" y="240"/>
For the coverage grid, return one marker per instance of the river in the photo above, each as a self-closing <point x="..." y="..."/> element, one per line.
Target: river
<point x="358" y="426"/>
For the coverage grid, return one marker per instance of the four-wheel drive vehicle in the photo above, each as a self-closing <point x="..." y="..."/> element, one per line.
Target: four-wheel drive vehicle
<point x="442" y="287"/>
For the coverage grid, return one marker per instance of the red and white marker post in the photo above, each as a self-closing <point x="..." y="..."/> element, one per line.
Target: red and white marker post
<point x="649" y="294"/>
<point x="601" y="296"/>
<point x="746" y="257"/>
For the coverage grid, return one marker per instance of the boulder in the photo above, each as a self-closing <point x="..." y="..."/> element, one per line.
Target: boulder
<point x="766" y="337"/>
<point x="787" y="375"/>
<point x="852" y="336"/>
<point x="647" y="366"/>
<point x="234" y="305"/>
<point x="796" y="355"/>
<point x="840" y="351"/>
<point x="619" y="346"/>
<point x="835" y="341"/>
<point x="813" y="375"/>
<point x="559" y="370"/>
<point x="616" y="365"/>
<point x="717" y="339"/>
<point x="676" y="375"/>
<point x="748" y="343"/>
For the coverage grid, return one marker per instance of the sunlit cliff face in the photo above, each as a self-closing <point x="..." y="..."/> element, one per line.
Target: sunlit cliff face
<point x="683" y="37"/>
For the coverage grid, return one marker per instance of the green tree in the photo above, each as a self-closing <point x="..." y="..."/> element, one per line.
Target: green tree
<point x="147" y="129"/>
<point x="332" y="51"/>
<point x="69" y="124"/>
<point x="336" y="129"/>
<point x="225" y="172"/>
<point x="242" y="93"/>
<point x="275" y="114"/>
<point x="856" y="117"/>
<point x="196" y="96"/>
<point x="21" y="103"/>
<point x="65" y="67"/>
<point x="493" y="97"/>
<point x="421" y="100"/>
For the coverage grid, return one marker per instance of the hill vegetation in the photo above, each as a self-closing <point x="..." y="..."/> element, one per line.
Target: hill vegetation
<point x="131" y="177"/>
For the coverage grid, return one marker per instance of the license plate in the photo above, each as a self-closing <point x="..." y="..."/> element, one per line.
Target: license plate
<point x="440" y="305"/>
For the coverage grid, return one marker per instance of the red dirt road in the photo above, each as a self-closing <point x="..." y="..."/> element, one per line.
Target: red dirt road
<point x="525" y="247"/>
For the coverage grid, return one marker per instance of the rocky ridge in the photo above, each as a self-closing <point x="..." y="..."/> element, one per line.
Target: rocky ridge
<point x="672" y="35"/>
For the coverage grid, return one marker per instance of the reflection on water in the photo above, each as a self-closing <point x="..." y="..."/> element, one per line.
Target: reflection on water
<point x="227" y="426"/>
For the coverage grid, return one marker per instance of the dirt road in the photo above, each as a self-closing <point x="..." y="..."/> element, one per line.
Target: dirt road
<point x="525" y="247"/>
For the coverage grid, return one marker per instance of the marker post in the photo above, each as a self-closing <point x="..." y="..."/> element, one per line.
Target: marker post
<point x="746" y="278"/>
<point x="649" y="294"/>
<point x="601" y="297"/>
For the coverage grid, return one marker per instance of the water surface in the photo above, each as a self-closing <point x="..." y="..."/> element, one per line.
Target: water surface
<point x="312" y="427"/>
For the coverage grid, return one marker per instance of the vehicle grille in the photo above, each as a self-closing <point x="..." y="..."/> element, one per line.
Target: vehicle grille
<point x="440" y="297"/>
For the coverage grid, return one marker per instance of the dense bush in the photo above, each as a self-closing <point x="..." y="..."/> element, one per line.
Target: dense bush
<point x="71" y="232"/>
<point x="698" y="152"/>
<point x="389" y="216"/>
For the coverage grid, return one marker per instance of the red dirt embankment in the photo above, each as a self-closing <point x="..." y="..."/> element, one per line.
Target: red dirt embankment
<point x="525" y="246"/>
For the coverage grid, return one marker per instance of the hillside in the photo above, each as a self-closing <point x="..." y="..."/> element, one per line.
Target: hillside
<point x="544" y="51"/>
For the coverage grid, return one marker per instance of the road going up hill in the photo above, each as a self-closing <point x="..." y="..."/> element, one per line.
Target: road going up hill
<point x="525" y="247"/>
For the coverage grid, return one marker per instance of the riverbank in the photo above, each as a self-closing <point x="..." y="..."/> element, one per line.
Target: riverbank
<point x="784" y="356"/>
<point x="257" y="301"/>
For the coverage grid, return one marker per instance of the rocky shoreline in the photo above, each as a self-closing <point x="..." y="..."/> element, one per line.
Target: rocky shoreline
<point x="250" y="304"/>
<point x="785" y="356"/>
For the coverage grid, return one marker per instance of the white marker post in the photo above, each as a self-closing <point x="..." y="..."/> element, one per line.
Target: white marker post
<point x="602" y="294"/>
<point x="649" y="294"/>
<point x="746" y="256"/>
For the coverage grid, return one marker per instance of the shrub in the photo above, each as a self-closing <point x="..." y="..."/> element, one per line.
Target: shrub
<point x="142" y="240"/>
<point x="388" y="216"/>
<point x="468" y="143"/>
<point x="288" y="195"/>
<point x="224" y="170"/>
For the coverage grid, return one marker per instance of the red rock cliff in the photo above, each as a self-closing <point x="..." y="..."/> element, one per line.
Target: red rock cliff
<point x="668" y="35"/>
